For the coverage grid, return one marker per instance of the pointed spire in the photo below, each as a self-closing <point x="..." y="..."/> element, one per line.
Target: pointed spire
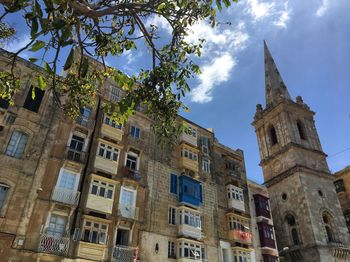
<point x="275" y="87"/>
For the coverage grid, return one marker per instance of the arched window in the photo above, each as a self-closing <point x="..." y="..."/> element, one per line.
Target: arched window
<point x="295" y="236"/>
<point x="301" y="130"/>
<point x="328" y="227"/>
<point x="4" y="189"/>
<point x="291" y="221"/>
<point x="273" y="136"/>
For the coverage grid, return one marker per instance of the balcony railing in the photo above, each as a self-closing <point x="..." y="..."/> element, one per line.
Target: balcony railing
<point x="53" y="244"/>
<point x="130" y="173"/>
<point x="67" y="196"/>
<point x="75" y="155"/>
<point x="125" y="254"/>
<point x="128" y="211"/>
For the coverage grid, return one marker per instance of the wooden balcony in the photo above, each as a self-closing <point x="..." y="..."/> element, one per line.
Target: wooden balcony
<point x="98" y="203"/>
<point x="186" y="163"/>
<point x="190" y="231"/>
<point x="111" y="132"/>
<point x="106" y="165"/>
<point x="91" y="251"/>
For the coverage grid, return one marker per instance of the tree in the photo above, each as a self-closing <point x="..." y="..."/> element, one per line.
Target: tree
<point x="108" y="28"/>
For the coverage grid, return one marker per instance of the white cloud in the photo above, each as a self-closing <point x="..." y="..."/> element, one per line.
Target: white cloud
<point x="160" y="22"/>
<point x="259" y="10"/>
<point x="212" y="75"/>
<point x="284" y="17"/>
<point x="219" y="52"/>
<point x="18" y="43"/>
<point x="323" y="8"/>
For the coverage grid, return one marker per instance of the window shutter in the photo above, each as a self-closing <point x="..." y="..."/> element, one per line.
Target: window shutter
<point x="173" y="183"/>
<point x="201" y="193"/>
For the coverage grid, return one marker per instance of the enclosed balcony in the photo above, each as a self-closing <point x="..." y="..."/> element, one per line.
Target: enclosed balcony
<point x="188" y="158"/>
<point x="239" y="228"/>
<point x="101" y="194"/>
<point x="190" y="224"/>
<point x="107" y="157"/>
<point x="66" y="196"/>
<point x="190" y="135"/>
<point x="91" y="251"/>
<point x="190" y="191"/>
<point x="235" y="198"/>
<point x="128" y="211"/>
<point x="124" y="253"/>
<point x="262" y="207"/>
<point x="111" y="129"/>
<point x="54" y="244"/>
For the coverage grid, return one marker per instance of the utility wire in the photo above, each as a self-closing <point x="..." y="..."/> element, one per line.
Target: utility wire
<point x="342" y="151"/>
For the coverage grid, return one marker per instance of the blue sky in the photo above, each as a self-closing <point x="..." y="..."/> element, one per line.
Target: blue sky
<point x="310" y="42"/>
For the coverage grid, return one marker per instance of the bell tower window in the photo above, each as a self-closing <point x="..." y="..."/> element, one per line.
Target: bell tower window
<point x="301" y="130"/>
<point x="273" y="136"/>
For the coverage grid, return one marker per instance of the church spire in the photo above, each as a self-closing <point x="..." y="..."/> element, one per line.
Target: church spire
<point x="275" y="87"/>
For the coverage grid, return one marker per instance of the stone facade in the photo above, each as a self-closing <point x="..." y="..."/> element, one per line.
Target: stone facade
<point x="91" y="190"/>
<point x="308" y="220"/>
<point x="342" y="187"/>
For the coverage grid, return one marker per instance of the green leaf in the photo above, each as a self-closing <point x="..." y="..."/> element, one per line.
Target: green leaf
<point x="227" y="3"/>
<point x="69" y="60"/>
<point x="41" y="83"/>
<point x="161" y="7"/>
<point x="37" y="46"/>
<point x="48" y="69"/>
<point x="33" y="93"/>
<point x="34" y="27"/>
<point x="218" y="4"/>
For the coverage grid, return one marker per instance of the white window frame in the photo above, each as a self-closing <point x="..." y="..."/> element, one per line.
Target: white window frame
<point x="60" y="177"/>
<point x="4" y="203"/>
<point x="49" y="222"/>
<point x="13" y="152"/>
<point x="133" y="135"/>
<point x="107" y="148"/>
<point x="171" y="250"/>
<point x="115" y="93"/>
<point x="194" y="250"/>
<point x="235" y="193"/>
<point x="194" y="219"/>
<point x="133" y="155"/>
<point x="102" y="231"/>
<point x="189" y="154"/>
<point x="245" y="256"/>
<point x="122" y="189"/>
<point x="206" y="165"/>
<point x="172" y="214"/>
<point x="236" y="223"/>
<point x="102" y="184"/>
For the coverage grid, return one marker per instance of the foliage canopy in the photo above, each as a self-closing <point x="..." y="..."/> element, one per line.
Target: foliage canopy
<point x="108" y="28"/>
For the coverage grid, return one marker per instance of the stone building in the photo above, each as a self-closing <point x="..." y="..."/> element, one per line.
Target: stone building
<point x="92" y="190"/>
<point x="264" y="240"/>
<point x="308" y="220"/>
<point x="342" y="187"/>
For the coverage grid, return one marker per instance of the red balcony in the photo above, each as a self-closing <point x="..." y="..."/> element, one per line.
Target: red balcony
<point x="240" y="236"/>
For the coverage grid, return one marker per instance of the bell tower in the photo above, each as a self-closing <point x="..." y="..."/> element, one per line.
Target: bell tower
<point x="308" y="220"/>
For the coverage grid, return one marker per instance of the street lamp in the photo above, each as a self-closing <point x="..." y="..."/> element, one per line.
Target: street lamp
<point x="284" y="254"/>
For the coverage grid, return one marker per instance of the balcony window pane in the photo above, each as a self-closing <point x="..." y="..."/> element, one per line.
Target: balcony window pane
<point x="94" y="190"/>
<point x="109" y="194"/>
<point x="3" y="194"/>
<point x="102" y="191"/>
<point x="94" y="238"/>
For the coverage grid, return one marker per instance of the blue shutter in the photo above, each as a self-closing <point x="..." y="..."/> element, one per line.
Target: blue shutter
<point x="200" y="193"/>
<point x="173" y="183"/>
